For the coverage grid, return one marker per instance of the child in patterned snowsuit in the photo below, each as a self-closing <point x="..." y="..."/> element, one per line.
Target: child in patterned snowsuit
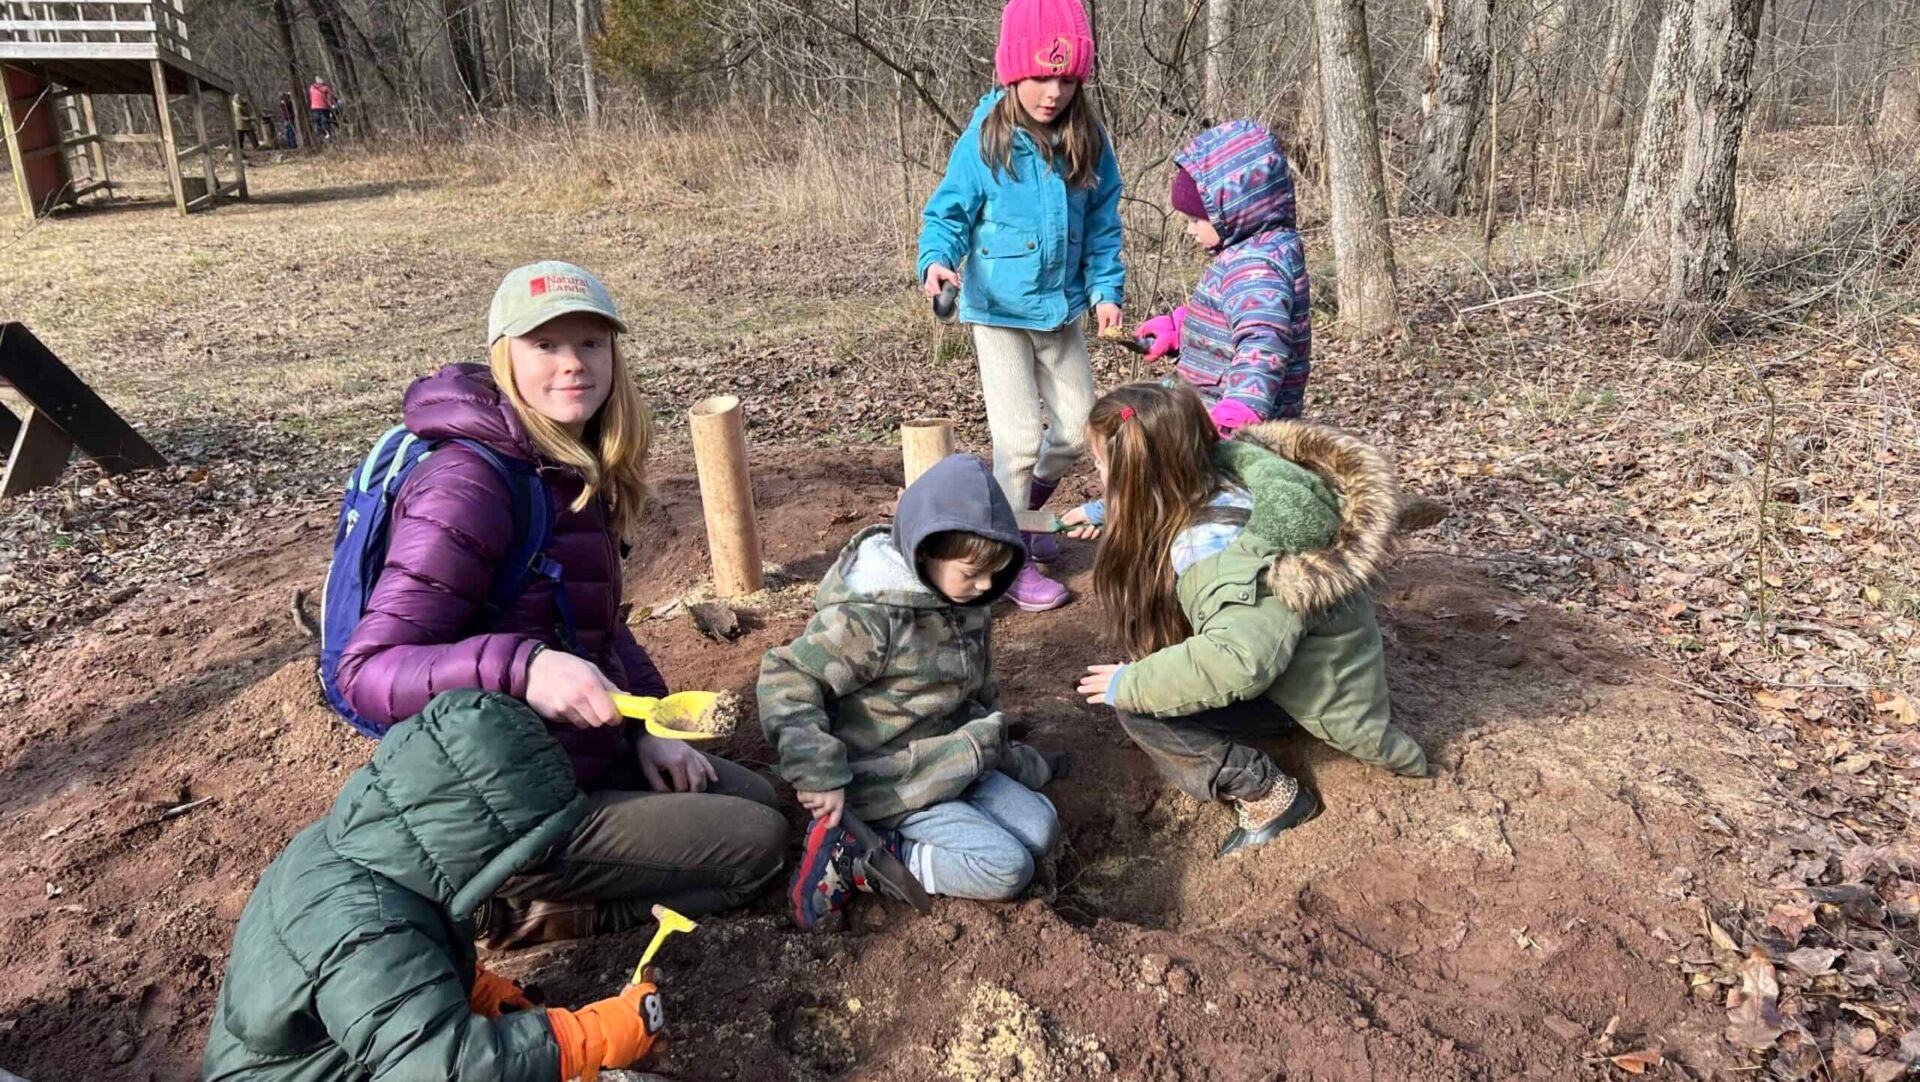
<point x="1245" y="338"/>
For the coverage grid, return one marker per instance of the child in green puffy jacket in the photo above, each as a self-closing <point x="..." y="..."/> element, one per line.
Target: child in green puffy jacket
<point x="1237" y="574"/>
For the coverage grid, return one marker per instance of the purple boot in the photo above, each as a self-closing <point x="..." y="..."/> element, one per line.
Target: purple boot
<point x="1043" y="547"/>
<point x="1035" y="592"/>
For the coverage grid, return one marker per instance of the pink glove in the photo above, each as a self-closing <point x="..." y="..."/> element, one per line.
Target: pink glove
<point x="1165" y="332"/>
<point x="1230" y="416"/>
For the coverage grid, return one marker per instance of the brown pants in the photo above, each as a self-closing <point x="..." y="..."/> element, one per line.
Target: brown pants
<point x="694" y="852"/>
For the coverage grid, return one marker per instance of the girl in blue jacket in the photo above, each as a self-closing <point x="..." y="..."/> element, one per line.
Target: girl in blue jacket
<point x="1030" y="206"/>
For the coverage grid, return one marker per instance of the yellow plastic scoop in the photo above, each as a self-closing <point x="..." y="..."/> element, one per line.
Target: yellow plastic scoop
<point x="673" y="717"/>
<point x="670" y="922"/>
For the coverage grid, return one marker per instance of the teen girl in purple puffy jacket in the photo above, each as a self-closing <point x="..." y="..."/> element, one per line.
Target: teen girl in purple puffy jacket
<point x="664" y="822"/>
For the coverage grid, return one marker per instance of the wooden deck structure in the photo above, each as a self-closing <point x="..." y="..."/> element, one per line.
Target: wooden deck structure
<point x="56" y="58"/>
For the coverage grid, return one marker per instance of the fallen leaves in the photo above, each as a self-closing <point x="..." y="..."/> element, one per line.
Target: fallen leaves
<point x="1791" y="921"/>
<point x="1812" y="961"/>
<point x="1638" y="1062"/>
<point x="1898" y="708"/>
<point x="1753" y="1009"/>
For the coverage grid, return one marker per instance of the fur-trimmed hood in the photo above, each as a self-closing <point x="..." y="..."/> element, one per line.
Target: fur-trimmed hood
<point x="1323" y="561"/>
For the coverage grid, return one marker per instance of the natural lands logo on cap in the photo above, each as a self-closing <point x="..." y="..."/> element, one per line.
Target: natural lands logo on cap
<point x="558" y="283"/>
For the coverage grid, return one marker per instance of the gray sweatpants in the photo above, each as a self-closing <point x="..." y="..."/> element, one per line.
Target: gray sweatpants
<point x="983" y="844"/>
<point x="1021" y="370"/>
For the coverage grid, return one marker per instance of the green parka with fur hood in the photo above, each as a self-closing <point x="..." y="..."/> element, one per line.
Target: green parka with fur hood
<point x="1285" y="610"/>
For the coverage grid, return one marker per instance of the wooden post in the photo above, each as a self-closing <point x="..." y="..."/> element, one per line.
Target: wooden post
<point x="39" y="455"/>
<point x="206" y="148"/>
<point x="239" y="154"/>
<point x="14" y="158"/>
<point x="726" y="494"/>
<point x="169" y="150"/>
<point x="98" y="148"/>
<point x="923" y="442"/>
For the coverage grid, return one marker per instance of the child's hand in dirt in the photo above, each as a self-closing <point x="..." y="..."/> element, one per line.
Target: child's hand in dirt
<point x="937" y="279"/>
<point x="562" y="687"/>
<point x="673" y="766"/>
<point x="1094" y="685"/>
<point x="826" y="806"/>
<point x="1109" y="317"/>
<point x="1081" y="529"/>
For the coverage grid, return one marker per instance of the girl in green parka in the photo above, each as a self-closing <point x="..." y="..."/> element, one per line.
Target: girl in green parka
<point x="1237" y="574"/>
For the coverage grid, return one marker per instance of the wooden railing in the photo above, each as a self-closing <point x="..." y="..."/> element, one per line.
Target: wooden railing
<point x="96" y="22"/>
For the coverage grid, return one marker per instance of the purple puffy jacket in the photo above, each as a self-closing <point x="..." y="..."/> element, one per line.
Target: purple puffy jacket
<point x="450" y="528"/>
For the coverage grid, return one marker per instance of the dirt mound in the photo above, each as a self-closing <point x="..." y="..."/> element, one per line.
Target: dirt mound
<point x="1491" y="922"/>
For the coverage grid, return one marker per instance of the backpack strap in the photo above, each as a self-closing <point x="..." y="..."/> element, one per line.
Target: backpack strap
<point x="532" y="529"/>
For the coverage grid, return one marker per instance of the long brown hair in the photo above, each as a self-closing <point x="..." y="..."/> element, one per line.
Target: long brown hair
<point x="1157" y="442"/>
<point x="611" y="454"/>
<point x="1081" y="139"/>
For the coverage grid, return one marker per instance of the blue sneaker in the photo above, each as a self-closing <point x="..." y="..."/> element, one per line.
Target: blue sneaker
<point x="832" y="866"/>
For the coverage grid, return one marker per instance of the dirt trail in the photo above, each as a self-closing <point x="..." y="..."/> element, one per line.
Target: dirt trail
<point x="1488" y="923"/>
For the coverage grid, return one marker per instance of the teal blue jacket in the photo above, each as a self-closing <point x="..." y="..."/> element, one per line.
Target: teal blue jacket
<point x="1037" y="253"/>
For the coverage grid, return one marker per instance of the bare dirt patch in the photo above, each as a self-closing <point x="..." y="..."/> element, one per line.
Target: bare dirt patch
<point x="1492" y="922"/>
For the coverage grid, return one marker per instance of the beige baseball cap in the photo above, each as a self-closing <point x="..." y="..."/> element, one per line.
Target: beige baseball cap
<point x="533" y="294"/>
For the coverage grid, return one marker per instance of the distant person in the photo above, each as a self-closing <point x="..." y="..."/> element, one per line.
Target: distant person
<point x="1237" y="574"/>
<point x="664" y="822"/>
<point x="1245" y="338"/>
<point x="1030" y="209"/>
<point x="354" y="957"/>
<point x="886" y="706"/>
<point x="321" y="101"/>
<point x="246" y="127"/>
<point x="289" y="137"/>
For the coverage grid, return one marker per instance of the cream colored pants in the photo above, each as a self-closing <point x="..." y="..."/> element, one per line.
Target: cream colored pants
<point x="1020" y="371"/>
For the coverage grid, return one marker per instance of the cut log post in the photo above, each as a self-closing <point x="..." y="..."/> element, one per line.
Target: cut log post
<point x="726" y="494"/>
<point x="923" y="442"/>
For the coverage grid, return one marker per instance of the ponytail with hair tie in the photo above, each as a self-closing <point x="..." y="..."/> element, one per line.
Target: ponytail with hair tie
<point x="1159" y="476"/>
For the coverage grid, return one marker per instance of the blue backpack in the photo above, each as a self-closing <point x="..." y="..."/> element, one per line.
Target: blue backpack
<point x="360" y="549"/>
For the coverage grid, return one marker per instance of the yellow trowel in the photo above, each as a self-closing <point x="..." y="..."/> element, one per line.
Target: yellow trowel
<point x="670" y="922"/>
<point x="672" y="717"/>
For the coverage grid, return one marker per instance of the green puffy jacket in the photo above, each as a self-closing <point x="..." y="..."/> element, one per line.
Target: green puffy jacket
<point x="1285" y="610"/>
<point x="354" y="958"/>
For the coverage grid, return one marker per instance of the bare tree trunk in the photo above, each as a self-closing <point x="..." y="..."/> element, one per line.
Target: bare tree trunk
<point x="466" y="63"/>
<point x="507" y="83"/>
<point x="283" y="20"/>
<point x="1457" y="50"/>
<point x="1725" y="38"/>
<point x="335" y="40"/>
<point x="585" y="31"/>
<point x="1899" y="117"/>
<point x="1635" y="249"/>
<point x="1611" y="109"/>
<point x="1362" y="244"/>
<point x="1219" y="53"/>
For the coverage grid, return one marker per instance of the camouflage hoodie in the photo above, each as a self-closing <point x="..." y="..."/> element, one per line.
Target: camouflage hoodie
<point x="889" y="693"/>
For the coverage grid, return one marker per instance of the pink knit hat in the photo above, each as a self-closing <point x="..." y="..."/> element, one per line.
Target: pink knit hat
<point x="1041" y="39"/>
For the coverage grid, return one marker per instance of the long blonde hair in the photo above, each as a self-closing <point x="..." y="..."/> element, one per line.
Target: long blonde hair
<point x="1158" y="442"/>
<point x="1081" y="141"/>
<point x="611" y="454"/>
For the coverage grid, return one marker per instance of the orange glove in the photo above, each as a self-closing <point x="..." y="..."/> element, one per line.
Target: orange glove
<point x="493" y="993"/>
<point x="611" y="1033"/>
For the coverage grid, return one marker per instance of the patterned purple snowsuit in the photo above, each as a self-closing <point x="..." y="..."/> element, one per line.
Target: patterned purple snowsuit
<point x="1249" y="334"/>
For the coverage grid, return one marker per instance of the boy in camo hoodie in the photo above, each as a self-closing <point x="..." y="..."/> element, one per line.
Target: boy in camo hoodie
<point x="886" y="706"/>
